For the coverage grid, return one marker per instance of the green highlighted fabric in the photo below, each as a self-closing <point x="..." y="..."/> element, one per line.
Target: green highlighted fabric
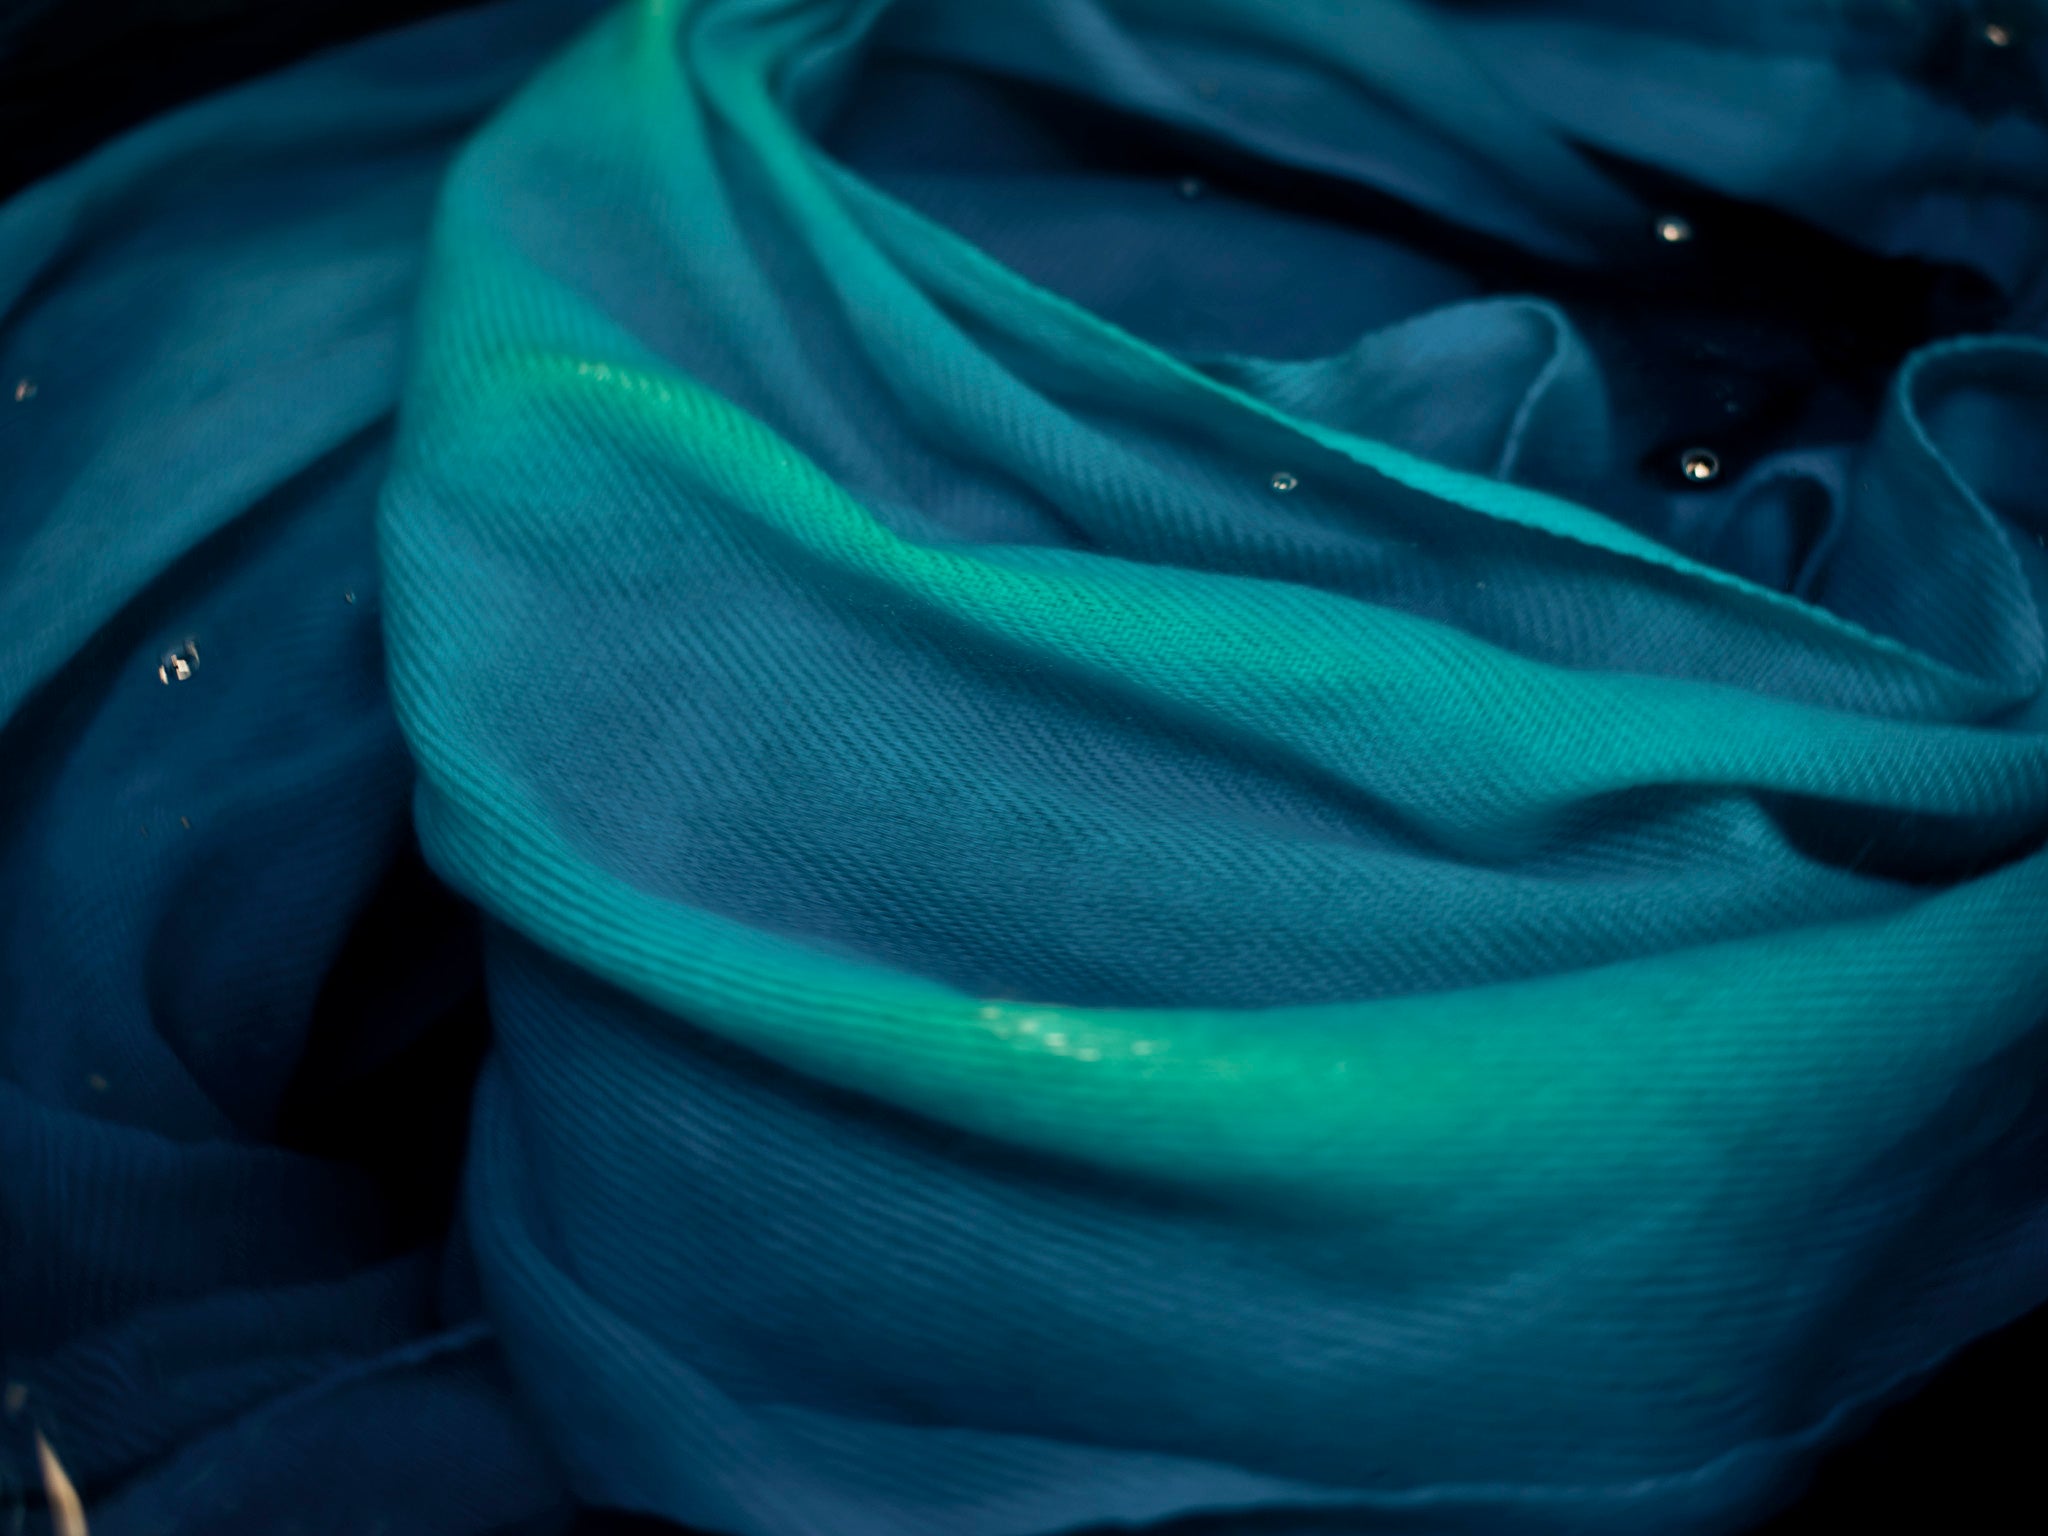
<point x="1381" y="988"/>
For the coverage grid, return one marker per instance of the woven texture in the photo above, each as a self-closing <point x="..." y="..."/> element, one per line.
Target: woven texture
<point x="1143" y="856"/>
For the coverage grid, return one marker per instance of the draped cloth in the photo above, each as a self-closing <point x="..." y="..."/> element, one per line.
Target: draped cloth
<point x="1153" y="844"/>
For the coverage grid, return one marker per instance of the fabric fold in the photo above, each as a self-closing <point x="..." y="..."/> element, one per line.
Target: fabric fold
<point x="1219" y="813"/>
<point x="1242" y="904"/>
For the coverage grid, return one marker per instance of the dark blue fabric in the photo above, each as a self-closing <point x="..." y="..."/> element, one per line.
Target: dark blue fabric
<point x="1764" y="337"/>
<point x="240" y="1022"/>
<point x="239" y="1019"/>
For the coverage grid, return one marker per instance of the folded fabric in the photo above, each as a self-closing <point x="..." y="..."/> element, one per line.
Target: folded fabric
<point x="1279" y="766"/>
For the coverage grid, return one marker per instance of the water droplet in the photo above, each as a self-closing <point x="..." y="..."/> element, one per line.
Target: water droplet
<point x="178" y="666"/>
<point x="1700" y="465"/>
<point x="24" y="389"/>
<point x="96" y="1083"/>
<point x="1673" y="230"/>
<point x="1191" y="187"/>
<point x="1996" y="36"/>
<point x="185" y="822"/>
<point x="348" y="597"/>
<point x="1283" y="481"/>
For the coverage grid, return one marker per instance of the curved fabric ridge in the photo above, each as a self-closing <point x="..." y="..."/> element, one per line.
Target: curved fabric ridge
<point x="1354" y="93"/>
<point x="732" y="979"/>
<point x="1857" y="149"/>
<point x="1442" y="387"/>
<point x="218" y="1319"/>
<point x="1119" y="934"/>
<point x="2013" y="669"/>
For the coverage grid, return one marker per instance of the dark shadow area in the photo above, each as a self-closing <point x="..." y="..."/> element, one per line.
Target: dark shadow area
<point x="1962" y="1454"/>
<point x="73" y="76"/>
<point x="398" y="1033"/>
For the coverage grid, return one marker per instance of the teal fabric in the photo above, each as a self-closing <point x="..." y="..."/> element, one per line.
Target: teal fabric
<point x="1143" y="859"/>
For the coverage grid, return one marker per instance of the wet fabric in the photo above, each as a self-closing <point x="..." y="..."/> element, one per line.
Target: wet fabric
<point x="1274" y="766"/>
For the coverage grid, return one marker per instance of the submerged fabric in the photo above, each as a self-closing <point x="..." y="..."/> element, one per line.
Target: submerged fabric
<point x="1144" y="857"/>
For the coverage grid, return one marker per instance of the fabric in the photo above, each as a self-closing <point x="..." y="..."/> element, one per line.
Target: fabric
<point x="1274" y="766"/>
